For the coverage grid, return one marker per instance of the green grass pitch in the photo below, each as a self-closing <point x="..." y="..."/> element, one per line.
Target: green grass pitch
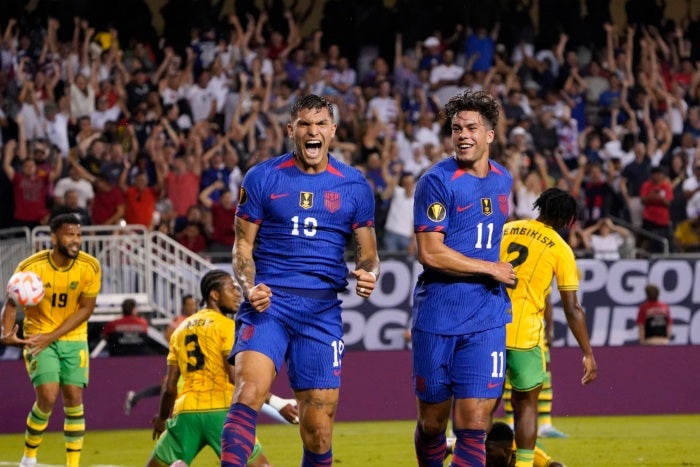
<point x="656" y="441"/>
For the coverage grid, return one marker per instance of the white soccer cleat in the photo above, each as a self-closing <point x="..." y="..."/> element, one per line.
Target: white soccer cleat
<point x="27" y="462"/>
<point x="129" y="402"/>
<point x="548" y="431"/>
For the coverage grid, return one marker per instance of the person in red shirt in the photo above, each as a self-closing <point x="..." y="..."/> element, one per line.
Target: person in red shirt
<point x="139" y="199"/>
<point x="127" y="335"/>
<point x="656" y="195"/>
<point x="30" y="189"/>
<point x="222" y="214"/>
<point x="108" y="205"/>
<point x="654" y="319"/>
<point x="192" y="237"/>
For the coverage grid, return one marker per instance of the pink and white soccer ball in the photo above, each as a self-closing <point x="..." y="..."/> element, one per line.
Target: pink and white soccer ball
<point x="25" y="288"/>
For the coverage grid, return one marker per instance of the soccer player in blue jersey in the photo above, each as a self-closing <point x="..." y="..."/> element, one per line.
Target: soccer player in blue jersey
<point x="296" y="214"/>
<point x="461" y="305"/>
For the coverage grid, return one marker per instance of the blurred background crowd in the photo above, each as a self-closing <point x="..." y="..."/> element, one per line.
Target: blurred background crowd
<point x="105" y="116"/>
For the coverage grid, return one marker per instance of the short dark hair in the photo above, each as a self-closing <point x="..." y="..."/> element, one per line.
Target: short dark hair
<point x="311" y="101"/>
<point x="557" y="207"/>
<point x="128" y="306"/>
<point x="61" y="219"/>
<point x="652" y="292"/>
<point x="478" y="101"/>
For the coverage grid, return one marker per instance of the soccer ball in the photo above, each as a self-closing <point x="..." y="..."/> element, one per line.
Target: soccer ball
<point x="25" y="288"/>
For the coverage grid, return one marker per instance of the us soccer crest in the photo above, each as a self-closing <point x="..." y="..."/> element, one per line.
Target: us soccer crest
<point x="486" y="206"/>
<point x="503" y="204"/>
<point x="331" y="200"/>
<point x="306" y="199"/>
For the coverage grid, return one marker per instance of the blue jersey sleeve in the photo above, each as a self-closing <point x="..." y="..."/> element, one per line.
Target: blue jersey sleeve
<point x="431" y="203"/>
<point x="251" y="196"/>
<point x="364" y="199"/>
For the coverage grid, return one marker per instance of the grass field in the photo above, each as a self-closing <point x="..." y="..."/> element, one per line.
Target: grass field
<point x="594" y="441"/>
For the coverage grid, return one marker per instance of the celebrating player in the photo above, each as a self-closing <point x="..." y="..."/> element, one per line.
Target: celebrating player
<point x="460" y="303"/>
<point x="55" y="335"/>
<point x="295" y="216"/>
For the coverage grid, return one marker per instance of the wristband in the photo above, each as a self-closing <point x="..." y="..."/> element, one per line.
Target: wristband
<point x="278" y="403"/>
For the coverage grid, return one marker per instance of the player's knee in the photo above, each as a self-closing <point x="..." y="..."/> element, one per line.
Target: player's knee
<point x="251" y="394"/>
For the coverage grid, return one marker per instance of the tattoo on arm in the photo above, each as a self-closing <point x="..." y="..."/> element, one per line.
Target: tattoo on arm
<point x="370" y="264"/>
<point x="243" y="265"/>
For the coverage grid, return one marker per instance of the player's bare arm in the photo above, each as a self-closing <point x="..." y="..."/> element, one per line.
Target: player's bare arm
<point x="167" y="400"/>
<point x="8" y="332"/>
<point x="38" y="342"/>
<point x="244" y="266"/>
<point x="433" y="253"/>
<point x="576" y="320"/>
<point x="367" y="261"/>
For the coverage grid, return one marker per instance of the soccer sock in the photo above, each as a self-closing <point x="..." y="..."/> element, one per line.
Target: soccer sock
<point x="544" y="402"/>
<point x="507" y="403"/>
<point x="37" y="421"/>
<point x="524" y="458"/>
<point x="74" y="433"/>
<point x="430" y="450"/>
<point x="470" y="448"/>
<point x="312" y="459"/>
<point x="238" y="436"/>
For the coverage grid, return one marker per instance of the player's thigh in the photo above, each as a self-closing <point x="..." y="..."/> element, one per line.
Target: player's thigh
<point x="262" y="333"/>
<point x="526" y="368"/>
<point x="479" y="365"/>
<point x="317" y="406"/>
<point x="74" y="358"/>
<point x="316" y="348"/>
<point x="432" y="362"/>
<point x="181" y="439"/>
<point x="45" y="367"/>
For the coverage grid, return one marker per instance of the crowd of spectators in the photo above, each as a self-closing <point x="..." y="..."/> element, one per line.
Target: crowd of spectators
<point x="146" y="132"/>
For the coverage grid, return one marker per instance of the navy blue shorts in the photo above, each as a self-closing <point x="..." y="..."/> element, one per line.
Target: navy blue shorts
<point x="305" y="332"/>
<point x="464" y="367"/>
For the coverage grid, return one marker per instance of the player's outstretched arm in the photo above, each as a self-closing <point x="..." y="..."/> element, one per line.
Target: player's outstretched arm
<point x="576" y="320"/>
<point x="288" y="408"/>
<point x="433" y="253"/>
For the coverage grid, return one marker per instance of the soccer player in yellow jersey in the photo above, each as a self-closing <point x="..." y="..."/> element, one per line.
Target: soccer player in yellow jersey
<point x="538" y="253"/>
<point x="55" y="335"/>
<point x="199" y="348"/>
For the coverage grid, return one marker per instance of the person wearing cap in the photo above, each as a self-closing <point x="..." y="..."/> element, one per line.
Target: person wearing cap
<point x="432" y="55"/>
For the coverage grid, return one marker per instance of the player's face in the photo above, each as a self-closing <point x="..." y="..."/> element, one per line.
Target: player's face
<point x="67" y="239"/>
<point x="470" y="137"/>
<point x="229" y="297"/>
<point x="312" y="131"/>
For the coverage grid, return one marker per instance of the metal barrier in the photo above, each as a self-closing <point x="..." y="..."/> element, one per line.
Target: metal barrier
<point x="133" y="261"/>
<point x="15" y="245"/>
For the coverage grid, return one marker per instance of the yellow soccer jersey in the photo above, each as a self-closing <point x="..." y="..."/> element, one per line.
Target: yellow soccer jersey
<point x="537" y="253"/>
<point x="63" y="289"/>
<point x="199" y="347"/>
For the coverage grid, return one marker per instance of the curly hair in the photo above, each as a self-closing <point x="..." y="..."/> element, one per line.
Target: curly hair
<point x="479" y="101"/>
<point x="557" y="207"/>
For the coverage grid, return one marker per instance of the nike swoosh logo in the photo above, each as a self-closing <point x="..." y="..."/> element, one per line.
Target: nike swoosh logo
<point x="491" y="385"/>
<point x="463" y="208"/>
<point x="278" y="195"/>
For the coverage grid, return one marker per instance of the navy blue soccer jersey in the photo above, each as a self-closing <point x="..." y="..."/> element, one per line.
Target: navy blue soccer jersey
<point x="470" y="212"/>
<point x="306" y="221"/>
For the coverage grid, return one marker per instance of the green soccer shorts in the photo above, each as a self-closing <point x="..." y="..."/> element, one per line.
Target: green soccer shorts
<point x="63" y="362"/>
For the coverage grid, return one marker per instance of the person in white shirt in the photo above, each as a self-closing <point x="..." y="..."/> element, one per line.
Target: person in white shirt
<point x="605" y="239"/>
<point x="56" y="127"/>
<point x="398" y="229"/>
<point x="446" y="73"/>
<point x="75" y="182"/>
<point x="201" y="98"/>
<point x="104" y="113"/>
